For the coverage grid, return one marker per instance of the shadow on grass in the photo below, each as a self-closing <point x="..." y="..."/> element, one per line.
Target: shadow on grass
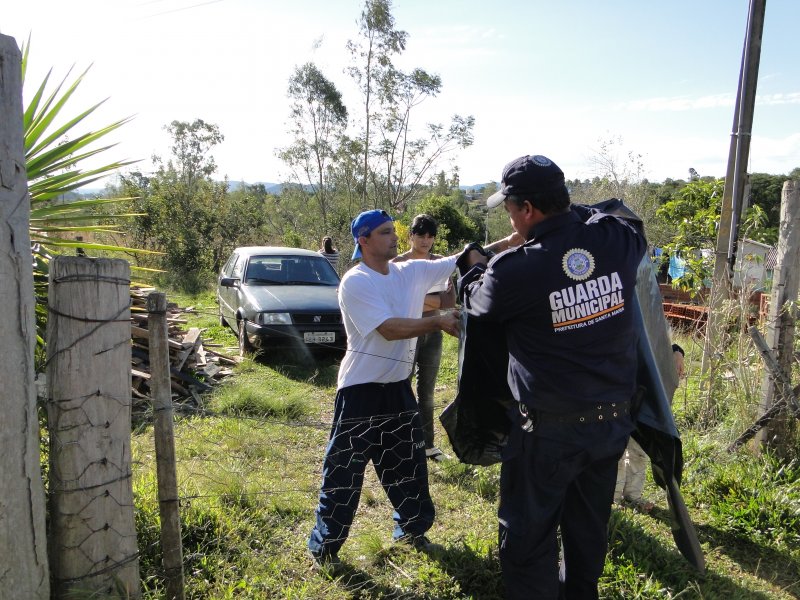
<point x="757" y="559"/>
<point x="319" y="368"/>
<point x="478" y="575"/>
<point x="650" y="556"/>
<point x="362" y="585"/>
<point x="398" y="571"/>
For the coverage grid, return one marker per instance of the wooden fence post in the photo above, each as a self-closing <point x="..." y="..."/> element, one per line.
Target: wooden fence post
<point x="23" y="548"/>
<point x="161" y="389"/>
<point x="780" y="326"/>
<point x="787" y="396"/>
<point x="93" y="536"/>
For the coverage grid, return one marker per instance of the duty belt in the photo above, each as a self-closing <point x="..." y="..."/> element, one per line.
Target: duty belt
<point x="597" y="414"/>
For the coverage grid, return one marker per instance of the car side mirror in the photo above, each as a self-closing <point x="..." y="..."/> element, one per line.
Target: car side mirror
<point x="229" y="282"/>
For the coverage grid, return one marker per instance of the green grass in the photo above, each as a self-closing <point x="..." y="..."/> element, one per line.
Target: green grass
<point x="249" y="474"/>
<point x="265" y="393"/>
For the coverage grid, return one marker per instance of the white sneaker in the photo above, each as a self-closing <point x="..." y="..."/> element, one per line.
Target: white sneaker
<point x="435" y="454"/>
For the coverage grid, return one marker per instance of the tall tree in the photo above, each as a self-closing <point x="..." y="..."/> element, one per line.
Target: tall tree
<point x="619" y="173"/>
<point x="191" y="146"/>
<point x="396" y="160"/>
<point x="372" y="58"/>
<point x="181" y="208"/>
<point x="766" y="191"/>
<point x="455" y="228"/>
<point x="407" y="160"/>
<point x="319" y="120"/>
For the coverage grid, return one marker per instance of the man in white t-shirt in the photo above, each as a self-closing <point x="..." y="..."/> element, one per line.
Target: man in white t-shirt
<point x="375" y="412"/>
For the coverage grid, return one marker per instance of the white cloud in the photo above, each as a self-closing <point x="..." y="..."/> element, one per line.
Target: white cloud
<point x="777" y="99"/>
<point x="678" y="103"/>
<point x="686" y="103"/>
<point x="229" y="62"/>
<point x="774" y="154"/>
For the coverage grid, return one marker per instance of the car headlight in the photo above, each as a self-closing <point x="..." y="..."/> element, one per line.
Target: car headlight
<point x="274" y="318"/>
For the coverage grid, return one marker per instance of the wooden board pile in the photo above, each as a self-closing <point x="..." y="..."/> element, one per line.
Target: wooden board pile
<point x="686" y="316"/>
<point x="194" y="366"/>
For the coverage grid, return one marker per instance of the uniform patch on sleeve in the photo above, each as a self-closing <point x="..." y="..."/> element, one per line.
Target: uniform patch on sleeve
<point x="578" y="264"/>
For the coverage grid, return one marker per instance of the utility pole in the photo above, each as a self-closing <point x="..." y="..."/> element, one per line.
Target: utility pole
<point x="735" y="179"/>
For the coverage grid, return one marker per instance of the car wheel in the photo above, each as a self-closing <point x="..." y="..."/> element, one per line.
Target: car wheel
<point x="245" y="347"/>
<point x="222" y="320"/>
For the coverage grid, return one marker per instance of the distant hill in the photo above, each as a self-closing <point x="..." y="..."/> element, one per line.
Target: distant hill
<point x="276" y="188"/>
<point x="84" y="192"/>
<point x="476" y="187"/>
<point x="271" y="188"/>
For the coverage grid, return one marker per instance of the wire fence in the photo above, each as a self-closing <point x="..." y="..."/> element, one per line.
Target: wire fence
<point x="92" y="537"/>
<point x="248" y="482"/>
<point x="263" y="472"/>
<point x="268" y="471"/>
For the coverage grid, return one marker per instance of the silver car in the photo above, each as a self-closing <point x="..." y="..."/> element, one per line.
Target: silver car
<point x="277" y="297"/>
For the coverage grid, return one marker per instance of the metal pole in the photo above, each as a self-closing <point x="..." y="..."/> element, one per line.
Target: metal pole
<point x="755" y="29"/>
<point x="735" y="177"/>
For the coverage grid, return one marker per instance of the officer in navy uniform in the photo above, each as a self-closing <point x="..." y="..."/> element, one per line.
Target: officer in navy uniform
<point x="564" y="301"/>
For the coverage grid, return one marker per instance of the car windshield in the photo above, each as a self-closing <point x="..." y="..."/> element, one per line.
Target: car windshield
<point x="290" y="270"/>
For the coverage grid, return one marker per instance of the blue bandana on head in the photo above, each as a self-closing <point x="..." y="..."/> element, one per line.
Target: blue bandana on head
<point x="364" y="223"/>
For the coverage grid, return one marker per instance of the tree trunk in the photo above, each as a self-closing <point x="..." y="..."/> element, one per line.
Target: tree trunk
<point x="780" y="321"/>
<point x="93" y="539"/>
<point x="23" y="548"/>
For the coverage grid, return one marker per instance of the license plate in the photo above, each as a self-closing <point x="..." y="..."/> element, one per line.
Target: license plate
<point x="319" y="337"/>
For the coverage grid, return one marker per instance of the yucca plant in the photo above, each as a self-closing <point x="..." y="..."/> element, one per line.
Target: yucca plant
<point x="54" y="154"/>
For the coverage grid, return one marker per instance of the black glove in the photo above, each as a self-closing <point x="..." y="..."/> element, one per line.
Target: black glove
<point x="461" y="261"/>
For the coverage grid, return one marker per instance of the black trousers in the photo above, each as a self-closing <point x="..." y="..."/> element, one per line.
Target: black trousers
<point x="379" y="423"/>
<point x="427" y="358"/>
<point x="557" y="482"/>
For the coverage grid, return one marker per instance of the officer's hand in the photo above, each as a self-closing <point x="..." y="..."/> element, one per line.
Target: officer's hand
<point x="450" y="322"/>
<point x="515" y="239"/>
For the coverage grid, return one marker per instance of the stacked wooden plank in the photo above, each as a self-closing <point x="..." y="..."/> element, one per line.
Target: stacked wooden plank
<point x="686" y="316"/>
<point x="194" y="367"/>
<point x="691" y="312"/>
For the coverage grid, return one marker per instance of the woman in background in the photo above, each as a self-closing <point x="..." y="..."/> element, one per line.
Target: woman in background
<point x="428" y="355"/>
<point x="330" y="252"/>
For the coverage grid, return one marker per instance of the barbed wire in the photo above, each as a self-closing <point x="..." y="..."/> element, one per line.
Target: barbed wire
<point x="232" y="468"/>
<point x="92" y="535"/>
<point x="280" y="333"/>
<point x="246" y="486"/>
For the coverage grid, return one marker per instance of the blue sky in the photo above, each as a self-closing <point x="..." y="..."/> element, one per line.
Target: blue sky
<point x="554" y="78"/>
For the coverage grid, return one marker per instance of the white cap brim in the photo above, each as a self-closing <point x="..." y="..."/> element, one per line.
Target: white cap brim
<point x="496" y="199"/>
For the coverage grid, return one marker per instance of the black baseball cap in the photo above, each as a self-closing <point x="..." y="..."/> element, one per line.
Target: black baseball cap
<point x="525" y="176"/>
